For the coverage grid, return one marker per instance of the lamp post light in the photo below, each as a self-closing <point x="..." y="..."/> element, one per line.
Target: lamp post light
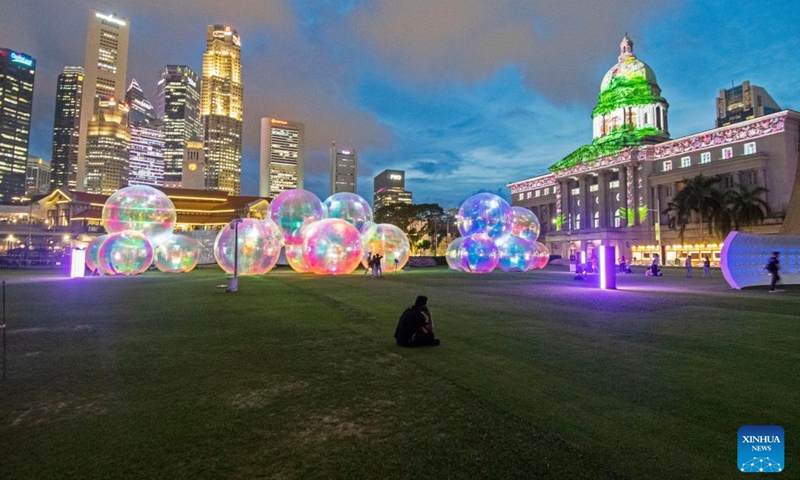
<point x="233" y="286"/>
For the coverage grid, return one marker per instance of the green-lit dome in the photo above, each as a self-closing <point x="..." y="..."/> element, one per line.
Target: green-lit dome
<point x="629" y="67"/>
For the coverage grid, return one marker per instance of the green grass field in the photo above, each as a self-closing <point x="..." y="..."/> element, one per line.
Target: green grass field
<point x="297" y="376"/>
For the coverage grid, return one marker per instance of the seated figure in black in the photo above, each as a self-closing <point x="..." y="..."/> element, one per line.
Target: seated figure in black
<point x="415" y="327"/>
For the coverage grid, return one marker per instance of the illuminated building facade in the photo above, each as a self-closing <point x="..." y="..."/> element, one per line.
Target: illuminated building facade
<point x="17" y="71"/>
<point x="178" y="106"/>
<point x="743" y="102"/>
<point x="37" y="177"/>
<point x="344" y="170"/>
<point x="105" y="69"/>
<point x="146" y="165"/>
<point x="66" y="128"/>
<point x="221" y="109"/>
<point x="282" y="156"/>
<point x="390" y="189"/>
<point x="615" y="191"/>
<point x="107" y="147"/>
<point x="193" y="174"/>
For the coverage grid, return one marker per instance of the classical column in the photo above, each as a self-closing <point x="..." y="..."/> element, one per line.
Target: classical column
<point x="623" y="195"/>
<point x="631" y="192"/>
<point x="586" y="210"/>
<point x="602" y="192"/>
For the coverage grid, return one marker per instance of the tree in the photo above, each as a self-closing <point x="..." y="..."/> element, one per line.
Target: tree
<point x="418" y="221"/>
<point x="697" y="196"/>
<point x="679" y="215"/>
<point x="748" y="206"/>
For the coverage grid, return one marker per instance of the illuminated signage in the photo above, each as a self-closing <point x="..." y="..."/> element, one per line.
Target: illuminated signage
<point x="345" y="152"/>
<point x="395" y="176"/>
<point x="110" y="18"/>
<point x="16" y="57"/>
<point x="279" y="122"/>
<point x="192" y="82"/>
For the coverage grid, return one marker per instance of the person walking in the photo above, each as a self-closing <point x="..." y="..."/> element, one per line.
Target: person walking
<point x="706" y="267"/>
<point x="688" y="264"/>
<point x="773" y="266"/>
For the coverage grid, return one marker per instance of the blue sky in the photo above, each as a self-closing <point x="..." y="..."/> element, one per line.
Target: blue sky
<point x="464" y="95"/>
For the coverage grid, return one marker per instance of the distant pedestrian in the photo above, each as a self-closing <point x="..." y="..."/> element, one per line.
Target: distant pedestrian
<point x="369" y="263"/>
<point x="773" y="266"/>
<point x="623" y="264"/>
<point x="706" y="267"/>
<point x="377" y="266"/>
<point x="396" y="263"/>
<point x="688" y="264"/>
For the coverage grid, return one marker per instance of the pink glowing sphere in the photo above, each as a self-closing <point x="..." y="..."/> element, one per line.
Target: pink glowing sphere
<point x="177" y="254"/>
<point x="332" y="247"/>
<point x="542" y="256"/>
<point x="141" y="208"/>
<point x="516" y="253"/>
<point x="93" y="250"/>
<point x="478" y="254"/>
<point x="296" y="258"/>
<point x="293" y="210"/>
<point x="388" y="241"/>
<point x="484" y="213"/>
<point x="351" y="208"/>
<point x="125" y="253"/>
<point x="258" y="245"/>
<point x="524" y="224"/>
<point x="453" y="253"/>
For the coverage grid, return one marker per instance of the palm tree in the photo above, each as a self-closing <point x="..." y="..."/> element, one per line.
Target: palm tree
<point x="697" y="196"/>
<point x="679" y="215"/>
<point x="748" y="206"/>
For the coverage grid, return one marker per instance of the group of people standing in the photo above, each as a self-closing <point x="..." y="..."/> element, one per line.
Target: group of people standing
<point x="374" y="265"/>
<point x="706" y="266"/>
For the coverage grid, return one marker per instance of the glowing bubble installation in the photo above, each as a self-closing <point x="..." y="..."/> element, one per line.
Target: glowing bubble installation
<point x="524" y="224"/>
<point x="93" y="250"/>
<point x="390" y="242"/>
<point x="453" y="253"/>
<point x="294" y="209"/>
<point x="484" y="213"/>
<point x="478" y="254"/>
<point x="125" y="253"/>
<point x="541" y="256"/>
<point x="177" y="254"/>
<point x="297" y="259"/>
<point x="141" y="208"/>
<point x="351" y="208"/>
<point x="259" y="246"/>
<point x="332" y="247"/>
<point x="516" y="253"/>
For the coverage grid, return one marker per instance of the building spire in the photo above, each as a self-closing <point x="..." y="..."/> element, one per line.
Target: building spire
<point x="625" y="48"/>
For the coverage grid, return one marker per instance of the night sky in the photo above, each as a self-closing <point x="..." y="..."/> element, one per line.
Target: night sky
<point x="464" y="95"/>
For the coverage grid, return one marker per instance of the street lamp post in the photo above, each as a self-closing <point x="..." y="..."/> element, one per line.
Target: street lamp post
<point x="233" y="286"/>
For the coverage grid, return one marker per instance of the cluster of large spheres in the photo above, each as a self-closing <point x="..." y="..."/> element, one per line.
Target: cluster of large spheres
<point x="495" y="234"/>
<point x="139" y="220"/>
<point x="326" y="238"/>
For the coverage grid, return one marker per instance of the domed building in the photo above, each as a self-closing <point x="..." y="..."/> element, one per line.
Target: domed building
<point x="615" y="190"/>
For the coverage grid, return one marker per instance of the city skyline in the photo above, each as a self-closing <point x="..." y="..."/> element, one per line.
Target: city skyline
<point x="460" y="99"/>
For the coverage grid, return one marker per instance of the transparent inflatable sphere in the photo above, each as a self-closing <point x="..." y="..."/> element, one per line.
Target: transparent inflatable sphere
<point x="332" y="247"/>
<point x="478" y="254"/>
<point x="516" y="253"/>
<point x="297" y="259"/>
<point x="484" y="213"/>
<point x="542" y="256"/>
<point x="177" y="254"/>
<point x="125" y="253"/>
<point x="351" y="208"/>
<point x="294" y="209"/>
<point x="524" y="224"/>
<point x="388" y="241"/>
<point x="258" y="245"/>
<point x="92" y="252"/>
<point x="453" y="253"/>
<point x="140" y="208"/>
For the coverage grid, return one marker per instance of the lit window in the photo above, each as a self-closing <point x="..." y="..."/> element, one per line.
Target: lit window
<point x="705" y="157"/>
<point x="594" y="188"/>
<point x="576" y="191"/>
<point x="727" y="152"/>
<point x="577" y="221"/>
<point x="686" y="162"/>
<point x="530" y="194"/>
<point x="667" y="166"/>
<point x="596" y="220"/>
<point x="613" y="184"/>
<point x="522" y="196"/>
<point x="538" y="193"/>
<point x="750" y="148"/>
<point x="547" y="191"/>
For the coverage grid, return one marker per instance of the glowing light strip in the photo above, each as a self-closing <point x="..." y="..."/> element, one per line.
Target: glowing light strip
<point x="603" y="269"/>
<point x="78" y="266"/>
<point x="110" y="18"/>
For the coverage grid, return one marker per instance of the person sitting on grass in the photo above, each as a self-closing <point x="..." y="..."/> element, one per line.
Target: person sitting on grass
<point x="415" y="327"/>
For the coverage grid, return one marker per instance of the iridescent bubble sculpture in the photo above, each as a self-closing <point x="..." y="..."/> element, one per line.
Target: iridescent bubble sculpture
<point x="93" y="250"/>
<point x="141" y="208"/>
<point x="294" y="209"/>
<point x="453" y="253"/>
<point x="177" y="254"/>
<point x="351" y="208"/>
<point x="541" y="257"/>
<point x="332" y="247"/>
<point x="297" y="259"/>
<point x="478" y="254"/>
<point x="516" y="253"/>
<point x="390" y="242"/>
<point x="524" y="224"/>
<point x="484" y="213"/>
<point x="125" y="253"/>
<point x="259" y="247"/>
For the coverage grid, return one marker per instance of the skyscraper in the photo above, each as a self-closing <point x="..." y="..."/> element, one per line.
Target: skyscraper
<point x="390" y="189"/>
<point x="221" y="109"/>
<point x="16" y="99"/>
<point x="66" y="129"/>
<point x="107" y="147"/>
<point x="344" y="168"/>
<point x="743" y="102"/>
<point x="178" y="106"/>
<point x="146" y="165"/>
<point x="105" y="70"/>
<point x="282" y="156"/>
<point x="37" y="177"/>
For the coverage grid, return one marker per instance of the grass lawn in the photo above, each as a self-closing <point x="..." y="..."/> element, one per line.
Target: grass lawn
<point x="297" y="376"/>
